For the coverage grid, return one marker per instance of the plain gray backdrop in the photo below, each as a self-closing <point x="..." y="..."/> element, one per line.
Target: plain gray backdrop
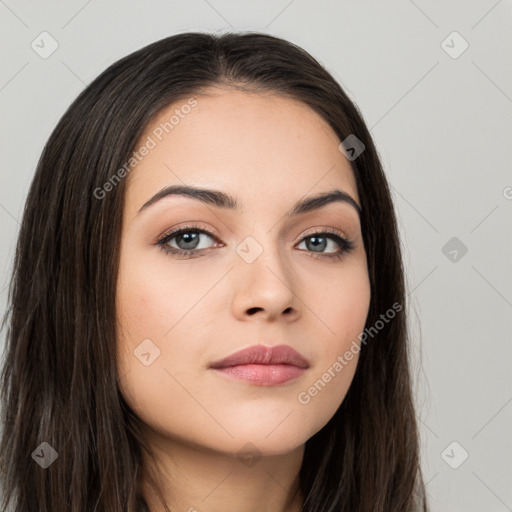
<point x="433" y="80"/>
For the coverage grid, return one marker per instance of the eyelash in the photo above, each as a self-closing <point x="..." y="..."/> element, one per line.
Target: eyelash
<point x="345" y="244"/>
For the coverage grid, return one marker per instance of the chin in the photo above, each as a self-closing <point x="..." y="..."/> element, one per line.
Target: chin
<point x="267" y="438"/>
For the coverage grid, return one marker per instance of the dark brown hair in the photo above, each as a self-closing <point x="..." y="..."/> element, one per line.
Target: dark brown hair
<point x="59" y="379"/>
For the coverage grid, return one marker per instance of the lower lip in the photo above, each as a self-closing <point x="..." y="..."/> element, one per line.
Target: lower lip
<point x="263" y="374"/>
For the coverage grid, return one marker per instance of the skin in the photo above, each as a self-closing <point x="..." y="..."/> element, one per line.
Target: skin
<point x="268" y="152"/>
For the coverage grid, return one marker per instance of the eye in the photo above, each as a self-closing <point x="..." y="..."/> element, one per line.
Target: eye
<point x="318" y="241"/>
<point x="188" y="240"/>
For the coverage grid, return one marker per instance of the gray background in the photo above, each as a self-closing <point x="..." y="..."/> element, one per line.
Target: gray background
<point x="442" y="124"/>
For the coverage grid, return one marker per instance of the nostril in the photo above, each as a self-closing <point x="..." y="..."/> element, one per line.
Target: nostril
<point x="252" y="311"/>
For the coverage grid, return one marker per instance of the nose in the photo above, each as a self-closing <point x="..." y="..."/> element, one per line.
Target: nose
<point x="264" y="290"/>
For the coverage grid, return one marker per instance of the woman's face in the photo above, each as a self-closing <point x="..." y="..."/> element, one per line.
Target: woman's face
<point x="255" y="276"/>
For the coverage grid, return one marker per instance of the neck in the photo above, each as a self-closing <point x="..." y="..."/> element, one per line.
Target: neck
<point x="198" y="479"/>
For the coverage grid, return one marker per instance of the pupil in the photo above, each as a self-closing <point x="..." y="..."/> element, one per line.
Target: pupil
<point x="189" y="238"/>
<point x="322" y="245"/>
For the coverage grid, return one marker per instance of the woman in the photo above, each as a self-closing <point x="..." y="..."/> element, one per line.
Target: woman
<point x="207" y="310"/>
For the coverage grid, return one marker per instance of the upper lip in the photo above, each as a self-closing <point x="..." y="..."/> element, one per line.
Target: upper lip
<point x="261" y="354"/>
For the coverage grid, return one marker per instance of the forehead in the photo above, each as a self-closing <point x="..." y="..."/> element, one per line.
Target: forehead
<point x="257" y="146"/>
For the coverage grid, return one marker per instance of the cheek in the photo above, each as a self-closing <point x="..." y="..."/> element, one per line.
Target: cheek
<point x="153" y="297"/>
<point x="342" y="307"/>
<point x="161" y="313"/>
<point x="156" y="323"/>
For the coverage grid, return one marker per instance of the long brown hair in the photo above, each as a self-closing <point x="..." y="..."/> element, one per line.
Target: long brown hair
<point x="59" y="378"/>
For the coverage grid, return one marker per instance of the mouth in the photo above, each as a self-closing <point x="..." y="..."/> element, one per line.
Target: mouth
<point x="262" y="365"/>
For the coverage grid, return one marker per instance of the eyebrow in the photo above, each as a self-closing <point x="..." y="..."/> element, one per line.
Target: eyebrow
<point x="223" y="200"/>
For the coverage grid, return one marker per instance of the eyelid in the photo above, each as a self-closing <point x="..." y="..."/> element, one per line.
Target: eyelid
<point x="324" y="229"/>
<point x="189" y="226"/>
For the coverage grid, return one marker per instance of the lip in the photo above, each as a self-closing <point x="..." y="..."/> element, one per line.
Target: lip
<point x="262" y="365"/>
